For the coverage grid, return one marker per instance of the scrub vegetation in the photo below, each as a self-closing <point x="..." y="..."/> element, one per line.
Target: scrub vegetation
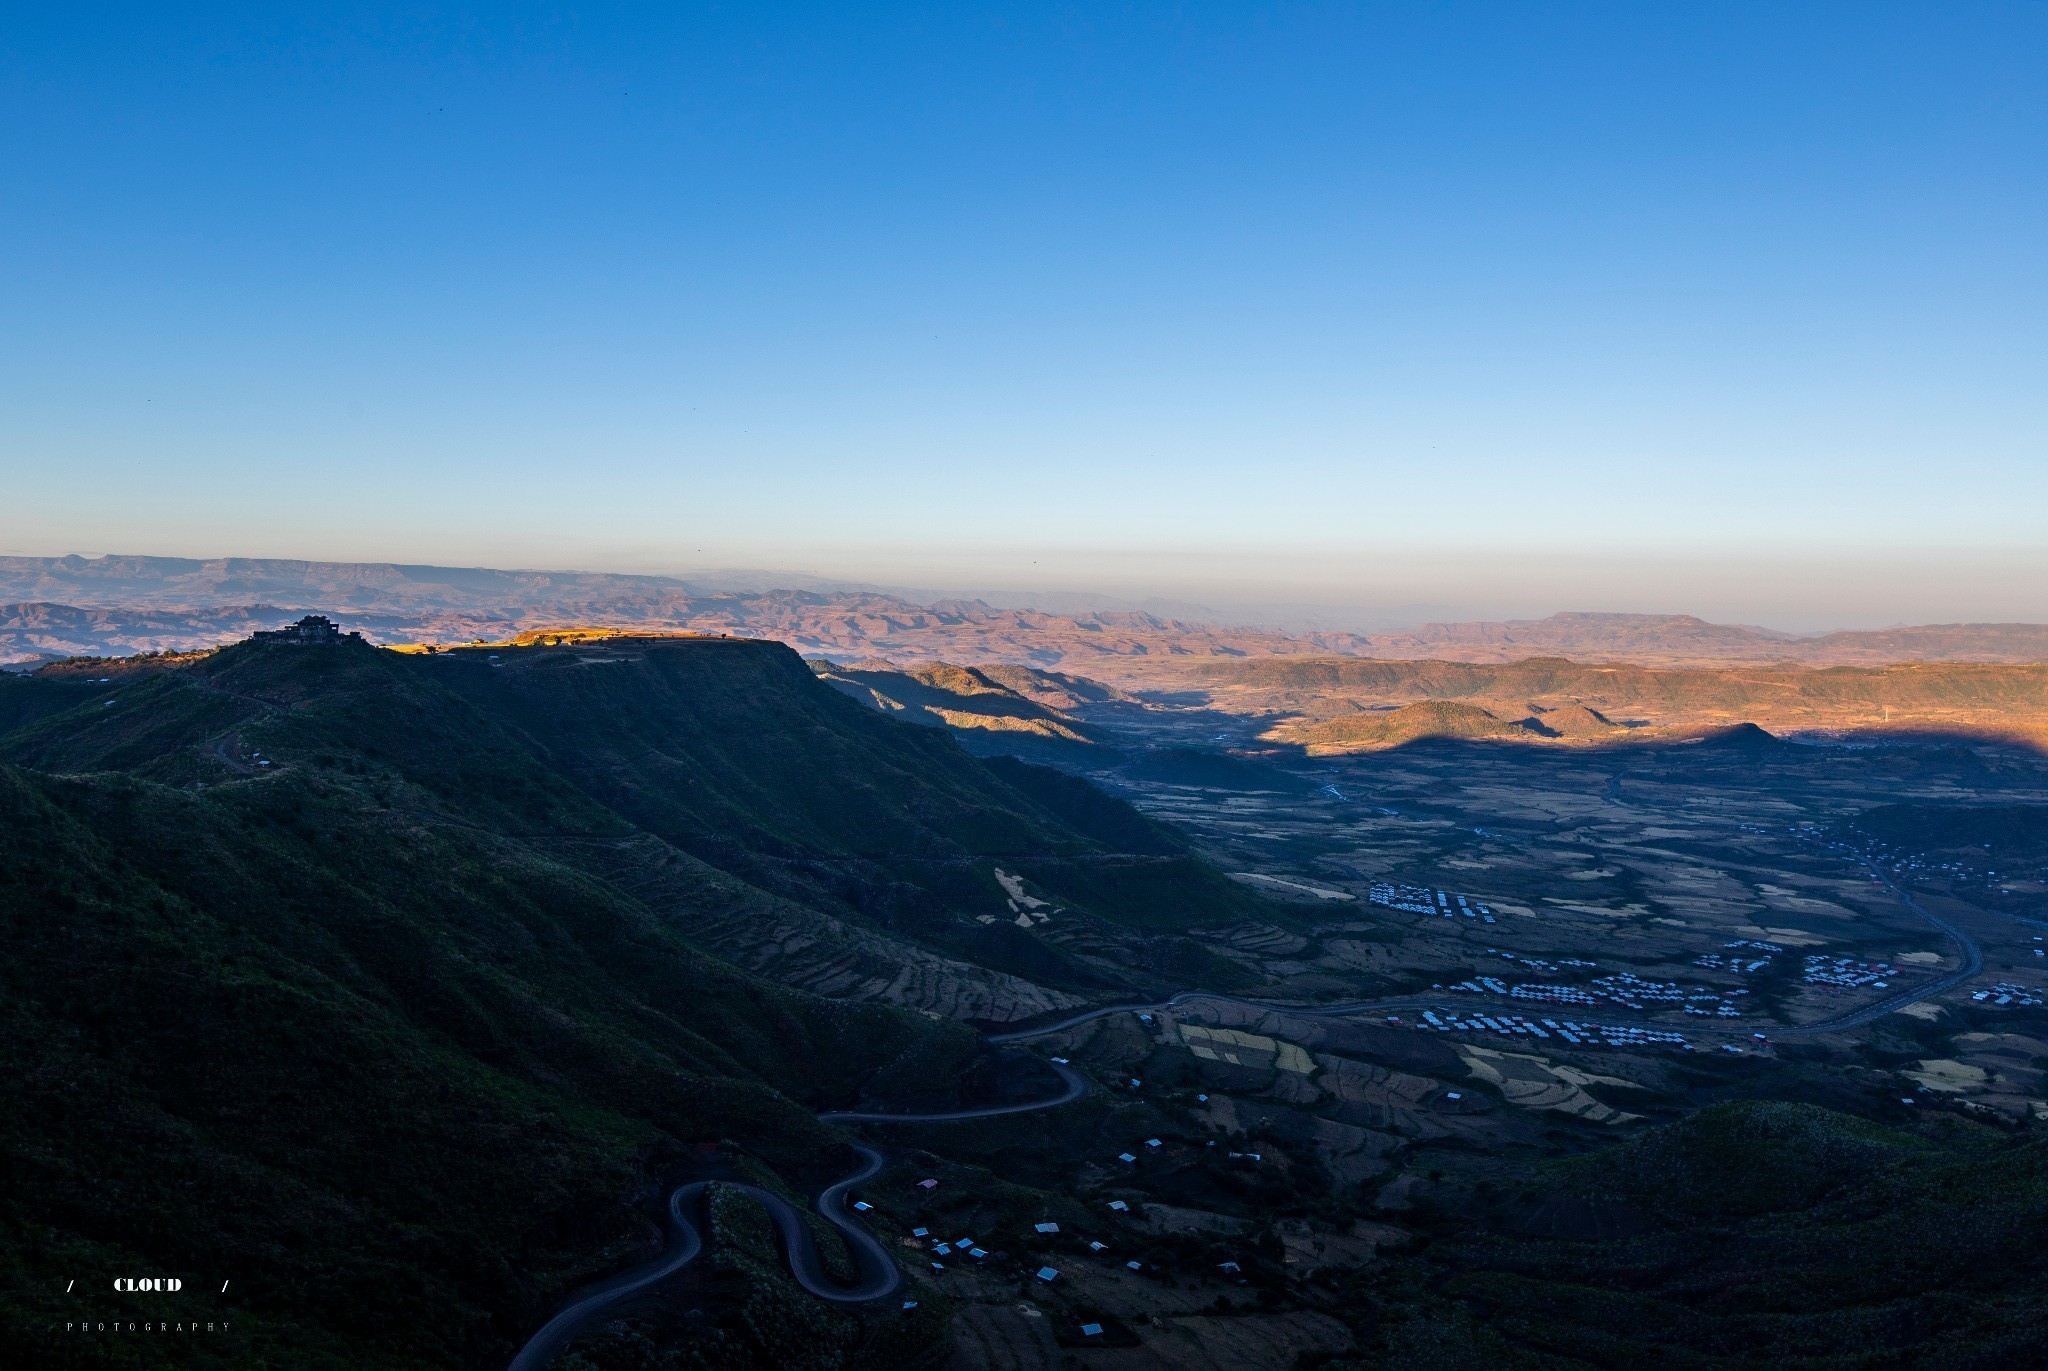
<point x="345" y="977"/>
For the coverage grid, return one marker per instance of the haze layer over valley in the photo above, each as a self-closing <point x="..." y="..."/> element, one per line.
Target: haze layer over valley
<point x="71" y="606"/>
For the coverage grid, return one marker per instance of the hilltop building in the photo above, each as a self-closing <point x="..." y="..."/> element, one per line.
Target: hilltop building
<point x="314" y="628"/>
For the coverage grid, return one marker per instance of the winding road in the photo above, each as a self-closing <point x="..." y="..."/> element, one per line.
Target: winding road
<point x="1972" y="963"/>
<point x="879" y="1276"/>
<point x="684" y="1244"/>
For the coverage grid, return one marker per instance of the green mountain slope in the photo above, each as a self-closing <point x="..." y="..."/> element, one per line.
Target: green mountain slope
<point x="376" y="985"/>
<point x="390" y="1076"/>
<point x="1758" y="1235"/>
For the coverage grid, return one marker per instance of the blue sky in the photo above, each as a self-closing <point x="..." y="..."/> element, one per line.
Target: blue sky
<point x="1298" y="301"/>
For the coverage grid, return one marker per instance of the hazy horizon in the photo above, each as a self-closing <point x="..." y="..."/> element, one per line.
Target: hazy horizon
<point x="2012" y="587"/>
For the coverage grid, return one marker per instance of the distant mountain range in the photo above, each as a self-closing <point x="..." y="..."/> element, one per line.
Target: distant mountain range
<point x="110" y="606"/>
<point x="66" y="606"/>
<point x="1682" y="640"/>
<point x="191" y="584"/>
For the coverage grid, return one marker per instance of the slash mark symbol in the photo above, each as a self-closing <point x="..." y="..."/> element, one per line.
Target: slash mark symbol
<point x="223" y="1287"/>
<point x="68" y="1285"/>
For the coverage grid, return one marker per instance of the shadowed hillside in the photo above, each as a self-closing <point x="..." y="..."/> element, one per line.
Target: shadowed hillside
<point x="967" y="699"/>
<point x="1407" y="724"/>
<point x="379" y="984"/>
<point x="1576" y="721"/>
<point x="1758" y="1235"/>
<point x="2007" y="833"/>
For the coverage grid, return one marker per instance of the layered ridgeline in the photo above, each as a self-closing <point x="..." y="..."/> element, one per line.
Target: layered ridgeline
<point x="375" y="985"/>
<point x="1333" y="704"/>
